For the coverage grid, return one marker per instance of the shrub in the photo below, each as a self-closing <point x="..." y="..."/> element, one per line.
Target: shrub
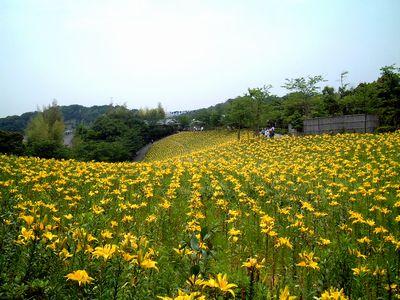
<point x="47" y="149"/>
<point x="11" y="142"/>
<point x="383" y="129"/>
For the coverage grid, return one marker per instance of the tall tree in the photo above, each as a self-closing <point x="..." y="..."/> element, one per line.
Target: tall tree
<point x="258" y="97"/>
<point x="37" y="129"/>
<point x="47" y="125"/>
<point x="45" y="133"/>
<point x="152" y="115"/>
<point x="115" y="136"/>
<point x="306" y="88"/>
<point x="330" y="101"/>
<point x="388" y="94"/>
<point x="239" y="113"/>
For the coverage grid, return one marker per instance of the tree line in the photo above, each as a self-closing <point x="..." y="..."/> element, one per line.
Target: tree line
<point x="115" y="133"/>
<point x="114" y="136"/>
<point x="306" y="98"/>
<point x="72" y="114"/>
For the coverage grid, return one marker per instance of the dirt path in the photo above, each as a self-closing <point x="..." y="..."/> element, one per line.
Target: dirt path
<point x="142" y="152"/>
<point x="68" y="139"/>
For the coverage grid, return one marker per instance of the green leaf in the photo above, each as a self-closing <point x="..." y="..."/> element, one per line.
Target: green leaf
<point x="195" y="270"/>
<point x="203" y="232"/>
<point x="194" y="243"/>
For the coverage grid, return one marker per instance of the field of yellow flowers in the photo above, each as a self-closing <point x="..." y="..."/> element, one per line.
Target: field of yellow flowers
<point x="289" y="218"/>
<point x="187" y="142"/>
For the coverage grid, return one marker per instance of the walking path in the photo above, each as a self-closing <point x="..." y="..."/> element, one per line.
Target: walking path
<point x="68" y="139"/>
<point x="142" y="152"/>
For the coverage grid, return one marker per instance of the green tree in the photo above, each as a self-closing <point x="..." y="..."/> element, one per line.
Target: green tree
<point x="293" y="110"/>
<point x="11" y="142"/>
<point x="388" y="94"/>
<point x="272" y="113"/>
<point x="306" y="88"/>
<point x="54" y="118"/>
<point x="47" y="125"/>
<point x="184" y="120"/>
<point x="115" y="136"/>
<point x="380" y="97"/>
<point x="152" y="115"/>
<point x="363" y="99"/>
<point x="239" y="113"/>
<point x="45" y="133"/>
<point x="330" y="101"/>
<point x="258" y="98"/>
<point x="215" y="118"/>
<point x="38" y="129"/>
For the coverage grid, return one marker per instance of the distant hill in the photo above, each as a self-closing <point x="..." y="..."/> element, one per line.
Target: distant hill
<point x="77" y="114"/>
<point x="73" y="115"/>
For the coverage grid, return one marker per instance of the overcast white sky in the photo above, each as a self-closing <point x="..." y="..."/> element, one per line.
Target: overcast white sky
<point x="185" y="54"/>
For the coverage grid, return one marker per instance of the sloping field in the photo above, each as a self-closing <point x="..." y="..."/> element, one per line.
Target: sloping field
<point x="316" y="216"/>
<point x="187" y="142"/>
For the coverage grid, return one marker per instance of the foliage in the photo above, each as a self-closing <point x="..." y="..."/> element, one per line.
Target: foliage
<point x="306" y="100"/>
<point x="101" y="151"/>
<point x="152" y="115"/>
<point x="115" y="136"/>
<point x="47" y="125"/>
<point x="16" y="123"/>
<point x="38" y="129"/>
<point x="72" y="114"/>
<point x="78" y="114"/>
<point x="47" y="149"/>
<point x="258" y="99"/>
<point x="239" y="114"/>
<point x="308" y="87"/>
<point x="156" y="132"/>
<point x="11" y="143"/>
<point x="382" y="129"/>
<point x="45" y="134"/>
<point x="184" y="120"/>
<point x="387" y="105"/>
<point x="330" y="101"/>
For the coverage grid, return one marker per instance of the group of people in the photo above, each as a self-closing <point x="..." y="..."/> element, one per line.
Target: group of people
<point x="268" y="132"/>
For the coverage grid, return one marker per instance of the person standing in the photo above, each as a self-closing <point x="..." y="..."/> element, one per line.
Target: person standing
<point x="272" y="132"/>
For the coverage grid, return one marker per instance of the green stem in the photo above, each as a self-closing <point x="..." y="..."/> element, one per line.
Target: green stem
<point x="116" y="280"/>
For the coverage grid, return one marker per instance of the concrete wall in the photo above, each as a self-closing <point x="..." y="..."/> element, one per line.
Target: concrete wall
<point x="346" y="123"/>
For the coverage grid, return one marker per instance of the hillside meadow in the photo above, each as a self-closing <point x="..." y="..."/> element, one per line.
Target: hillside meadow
<point x="186" y="142"/>
<point x="207" y="217"/>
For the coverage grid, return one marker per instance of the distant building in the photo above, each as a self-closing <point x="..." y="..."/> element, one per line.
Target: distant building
<point x="196" y="125"/>
<point x="176" y="113"/>
<point x="168" y="121"/>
